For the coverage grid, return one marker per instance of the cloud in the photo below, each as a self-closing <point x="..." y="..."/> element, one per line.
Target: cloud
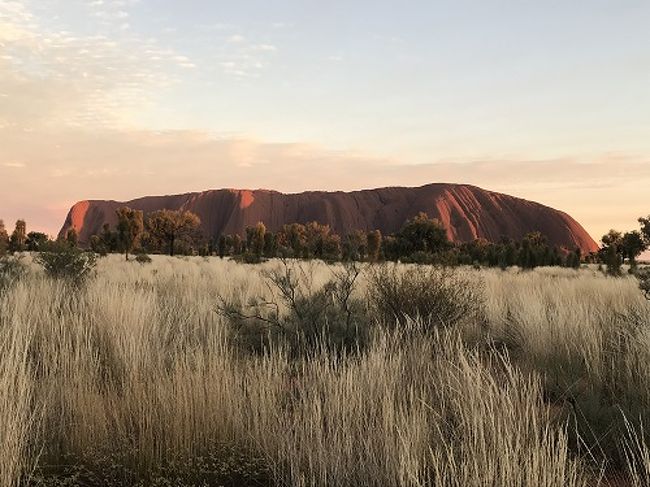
<point x="242" y="58"/>
<point x="54" y="77"/>
<point x="236" y="39"/>
<point x="15" y="165"/>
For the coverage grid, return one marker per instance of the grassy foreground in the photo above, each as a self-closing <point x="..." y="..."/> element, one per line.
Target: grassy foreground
<point x="132" y="380"/>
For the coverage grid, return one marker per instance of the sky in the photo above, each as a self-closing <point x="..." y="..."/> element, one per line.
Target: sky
<point x="117" y="99"/>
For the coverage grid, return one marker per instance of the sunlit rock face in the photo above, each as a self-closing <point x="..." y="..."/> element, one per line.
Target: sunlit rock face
<point x="468" y="212"/>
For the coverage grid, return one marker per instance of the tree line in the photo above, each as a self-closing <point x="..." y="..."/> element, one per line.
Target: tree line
<point x="420" y="240"/>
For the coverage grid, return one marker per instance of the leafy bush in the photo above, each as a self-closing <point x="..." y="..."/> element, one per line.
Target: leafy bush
<point x="436" y="296"/>
<point x="298" y="315"/>
<point x="63" y="261"/>
<point x="11" y="270"/>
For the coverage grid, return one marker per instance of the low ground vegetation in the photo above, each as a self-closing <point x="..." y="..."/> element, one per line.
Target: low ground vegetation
<point x="203" y="371"/>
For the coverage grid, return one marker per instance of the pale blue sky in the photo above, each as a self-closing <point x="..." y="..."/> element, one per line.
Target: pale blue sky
<point x="415" y="84"/>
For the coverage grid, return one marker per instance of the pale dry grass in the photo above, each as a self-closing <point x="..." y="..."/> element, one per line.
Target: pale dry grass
<point x="137" y="365"/>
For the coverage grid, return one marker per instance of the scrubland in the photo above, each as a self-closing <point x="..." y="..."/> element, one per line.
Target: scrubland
<point x="135" y="379"/>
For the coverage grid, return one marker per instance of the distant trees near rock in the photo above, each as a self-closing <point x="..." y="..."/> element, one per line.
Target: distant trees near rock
<point x="129" y="229"/>
<point x="420" y="240"/>
<point x="163" y="231"/>
<point x="618" y="247"/>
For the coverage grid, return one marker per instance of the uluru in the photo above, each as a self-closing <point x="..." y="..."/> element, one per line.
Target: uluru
<point x="468" y="212"/>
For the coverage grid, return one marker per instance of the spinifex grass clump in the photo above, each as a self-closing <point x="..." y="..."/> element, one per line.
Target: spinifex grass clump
<point x="433" y="296"/>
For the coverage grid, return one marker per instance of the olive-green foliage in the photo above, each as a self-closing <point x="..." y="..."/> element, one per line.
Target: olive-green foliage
<point x="270" y="245"/>
<point x="130" y="225"/>
<point x="432" y="296"/>
<point x="72" y="238"/>
<point x="18" y="239"/>
<point x="255" y="239"/>
<point x="298" y="315"/>
<point x="63" y="261"/>
<point x="632" y="245"/>
<point x="374" y="245"/>
<point x="36" y="241"/>
<point x="611" y="254"/>
<point x="423" y="234"/>
<point x="645" y="229"/>
<point x="173" y="230"/>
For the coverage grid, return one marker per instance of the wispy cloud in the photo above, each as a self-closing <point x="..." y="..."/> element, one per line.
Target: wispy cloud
<point x="59" y="77"/>
<point x="13" y="165"/>
<point x="243" y="58"/>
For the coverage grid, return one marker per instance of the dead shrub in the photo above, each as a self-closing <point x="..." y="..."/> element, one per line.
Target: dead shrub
<point x="299" y="315"/>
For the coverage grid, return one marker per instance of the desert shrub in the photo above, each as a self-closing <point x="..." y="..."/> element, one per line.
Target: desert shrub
<point x="11" y="270"/>
<point x="298" y="315"/>
<point x="62" y="261"/>
<point x="434" y="296"/>
<point x="143" y="259"/>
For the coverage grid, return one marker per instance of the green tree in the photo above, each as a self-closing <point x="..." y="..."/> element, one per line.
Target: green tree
<point x="222" y="246"/>
<point x="293" y="238"/>
<point x="373" y="240"/>
<point x="97" y="245"/>
<point x="611" y="252"/>
<point x="36" y="241"/>
<point x="108" y="238"/>
<point x="645" y="229"/>
<point x="255" y="239"/>
<point x="574" y="259"/>
<point x="171" y="226"/>
<point x="237" y="244"/>
<point x="18" y="240"/>
<point x="4" y="239"/>
<point x="331" y="248"/>
<point x="71" y="237"/>
<point x="632" y="245"/>
<point x="130" y="225"/>
<point x="423" y="234"/>
<point x="270" y="245"/>
<point x="355" y="246"/>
